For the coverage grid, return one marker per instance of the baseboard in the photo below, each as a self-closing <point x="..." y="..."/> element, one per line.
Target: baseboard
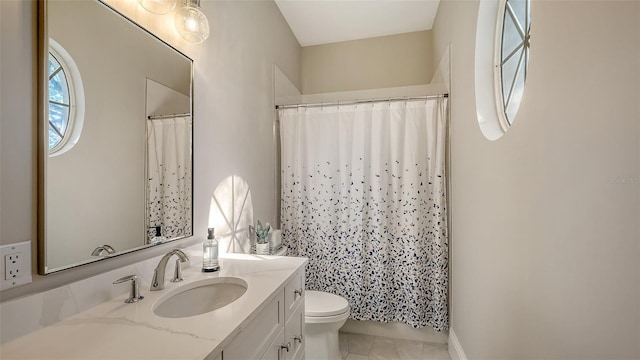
<point x="455" y="349"/>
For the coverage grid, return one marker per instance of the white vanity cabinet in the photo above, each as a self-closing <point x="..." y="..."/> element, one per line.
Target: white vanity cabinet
<point x="260" y="324"/>
<point x="277" y="332"/>
<point x="294" y="315"/>
<point x="256" y="338"/>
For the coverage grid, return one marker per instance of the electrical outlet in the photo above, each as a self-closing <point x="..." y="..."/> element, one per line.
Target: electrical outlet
<point x="16" y="265"/>
<point x="12" y="265"/>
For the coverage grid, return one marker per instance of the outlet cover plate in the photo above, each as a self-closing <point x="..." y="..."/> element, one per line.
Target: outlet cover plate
<point x="15" y="265"/>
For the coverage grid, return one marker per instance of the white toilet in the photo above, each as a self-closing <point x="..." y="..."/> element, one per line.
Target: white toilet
<point x="324" y="315"/>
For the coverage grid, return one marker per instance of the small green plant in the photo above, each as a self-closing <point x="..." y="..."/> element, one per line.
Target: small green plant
<point x="262" y="232"/>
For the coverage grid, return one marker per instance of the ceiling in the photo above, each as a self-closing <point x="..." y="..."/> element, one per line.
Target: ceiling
<point x="317" y="22"/>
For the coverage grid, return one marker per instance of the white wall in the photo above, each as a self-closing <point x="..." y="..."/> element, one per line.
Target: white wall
<point x="545" y="237"/>
<point x="380" y="62"/>
<point x="233" y="111"/>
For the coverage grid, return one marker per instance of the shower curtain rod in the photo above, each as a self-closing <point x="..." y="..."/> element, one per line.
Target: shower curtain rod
<point x="156" y="117"/>
<point x="355" y="102"/>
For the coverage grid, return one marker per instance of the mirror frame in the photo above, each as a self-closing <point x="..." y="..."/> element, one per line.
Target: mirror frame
<point x="41" y="144"/>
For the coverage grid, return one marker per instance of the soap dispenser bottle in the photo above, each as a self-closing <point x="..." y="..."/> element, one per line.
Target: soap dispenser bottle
<point x="210" y="253"/>
<point x="157" y="239"/>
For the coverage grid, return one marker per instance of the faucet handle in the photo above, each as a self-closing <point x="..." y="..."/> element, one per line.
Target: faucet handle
<point x="134" y="293"/>
<point x="177" y="272"/>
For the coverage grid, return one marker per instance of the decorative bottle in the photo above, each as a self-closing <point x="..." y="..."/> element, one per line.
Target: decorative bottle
<point x="210" y="253"/>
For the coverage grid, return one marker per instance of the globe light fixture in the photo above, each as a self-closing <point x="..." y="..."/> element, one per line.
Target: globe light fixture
<point x="191" y="22"/>
<point x="160" y="7"/>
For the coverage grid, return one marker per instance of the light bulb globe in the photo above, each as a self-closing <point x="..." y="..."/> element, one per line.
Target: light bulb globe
<point x="160" y="7"/>
<point x="191" y="23"/>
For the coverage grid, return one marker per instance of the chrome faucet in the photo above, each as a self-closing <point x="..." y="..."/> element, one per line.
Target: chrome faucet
<point x="157" y="283"/>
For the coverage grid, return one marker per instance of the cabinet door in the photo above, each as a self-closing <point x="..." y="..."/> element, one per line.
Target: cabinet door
<point x="275" y="351"/>
<point x="253" y="339"/>
<point x="294" y="333"/>
<point x="293" y="293"/>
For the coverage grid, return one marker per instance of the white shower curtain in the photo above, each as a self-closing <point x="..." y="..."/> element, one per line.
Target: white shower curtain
<point x="169" y="176"/>
<point x="363" y="197"/>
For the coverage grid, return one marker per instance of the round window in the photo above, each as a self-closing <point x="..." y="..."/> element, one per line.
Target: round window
<point x="502" y="57"/>
<point x="66" y="100"/>
<point x="514" y="56"/>
<point x="59" y="102"/>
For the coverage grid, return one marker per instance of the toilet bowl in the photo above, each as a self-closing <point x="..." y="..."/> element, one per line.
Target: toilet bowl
<point x="324" y="315"/>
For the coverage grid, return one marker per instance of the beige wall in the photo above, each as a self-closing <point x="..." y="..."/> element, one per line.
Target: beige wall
<point x="163" y="100"/>
<point x="17" y="110"/>
<point x="545" y="237"/>
<point x="381" y="62"/>
<point x="233" y="112"/>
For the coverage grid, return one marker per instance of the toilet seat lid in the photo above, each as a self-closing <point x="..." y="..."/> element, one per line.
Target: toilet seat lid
<point x="318" y="303"/>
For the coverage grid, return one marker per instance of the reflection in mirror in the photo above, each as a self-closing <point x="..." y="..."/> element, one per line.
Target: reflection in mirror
<point x="117" y="164"/>
<point x="231" y="215"/>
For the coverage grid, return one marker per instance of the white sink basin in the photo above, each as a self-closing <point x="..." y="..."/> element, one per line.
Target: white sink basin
<point x="200" y="297"/>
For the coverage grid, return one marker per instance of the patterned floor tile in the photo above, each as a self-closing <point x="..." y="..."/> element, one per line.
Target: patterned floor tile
<point x="366" y="347"/>
<point x="409" y="350"/>
<point x="435" y="352"/>
<point x="360" y="344"/>
<point x="357" y="357"/>
<point x="384" y="349"/>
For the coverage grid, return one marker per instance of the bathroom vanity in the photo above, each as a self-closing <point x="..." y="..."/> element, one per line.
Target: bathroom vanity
<point x="266" y="322"/>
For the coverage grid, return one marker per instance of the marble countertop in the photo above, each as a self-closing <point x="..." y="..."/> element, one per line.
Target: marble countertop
<point x="115" y="330"/>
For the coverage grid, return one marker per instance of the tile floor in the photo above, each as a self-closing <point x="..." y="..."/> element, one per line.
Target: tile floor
<point x="365" y="347"/>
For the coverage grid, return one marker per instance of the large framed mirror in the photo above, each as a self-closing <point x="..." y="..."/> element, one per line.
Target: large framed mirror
<point x="115" y="136"/>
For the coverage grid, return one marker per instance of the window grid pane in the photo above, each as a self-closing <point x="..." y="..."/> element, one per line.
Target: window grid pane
<point x="59" y="102"/>
<point x="514" y="55"/>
